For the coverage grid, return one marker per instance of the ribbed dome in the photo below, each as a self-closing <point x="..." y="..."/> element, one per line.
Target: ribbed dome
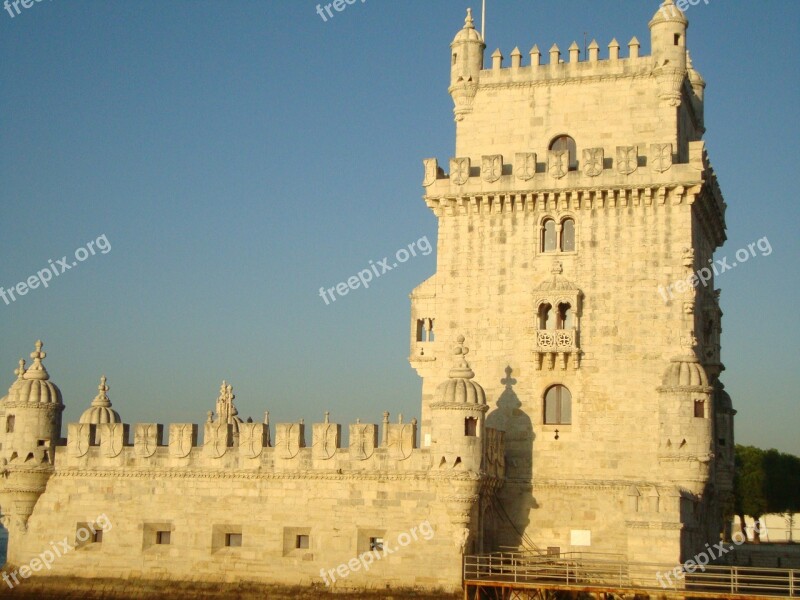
<point x="460" y="389"/>
<point x="34" y="385"/>
<point x="722" y="399"/>
<point x="468" y="33"/>
<point x="685" y="371"/>
<point x="694" y="77"/>
<point x="669" y="13"/>
<point x="100" y="411"/>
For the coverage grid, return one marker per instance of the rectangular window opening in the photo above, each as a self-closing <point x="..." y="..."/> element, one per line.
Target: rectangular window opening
<point x="233" y="540"/>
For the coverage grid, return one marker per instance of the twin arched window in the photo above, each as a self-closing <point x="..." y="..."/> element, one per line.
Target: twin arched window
<point x="557" y="406"/>
<point x="563" y="317"/>
<point x="559" y="237"/>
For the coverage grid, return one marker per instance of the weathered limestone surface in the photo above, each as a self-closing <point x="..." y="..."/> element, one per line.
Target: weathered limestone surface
<point x="580" y="194"/>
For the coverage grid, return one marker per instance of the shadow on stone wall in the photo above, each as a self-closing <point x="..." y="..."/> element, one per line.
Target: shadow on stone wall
<point x="510" y="514"/>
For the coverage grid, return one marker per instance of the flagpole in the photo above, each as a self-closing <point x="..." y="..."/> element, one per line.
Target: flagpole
<point x="483" y="21"/>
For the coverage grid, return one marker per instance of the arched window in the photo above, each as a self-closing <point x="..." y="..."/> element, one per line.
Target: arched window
<point x="557" y="406"/>
<point x="567" y="235"/>
<point x="546" y="319"/>
<point x="566" y="318"/>
<point x="549" y="236"/>
<point x="564" y="142"/>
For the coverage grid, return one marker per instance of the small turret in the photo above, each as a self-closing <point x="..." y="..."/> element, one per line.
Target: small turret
<point x="457" y="417"/>
<point x="668" y="41"/>
<point x="466" y="62"/>
<point x="29" y="433"/>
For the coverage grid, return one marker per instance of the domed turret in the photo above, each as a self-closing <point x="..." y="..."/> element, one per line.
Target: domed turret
<point x="32" y="410"/>
<point x="100" y="411"/>
<point x="457" y="416"/>
<point x="466" y="62"/>
<point x="459" y="388"/>
<point x="30" y="430"/>
<point x="685" y="371"/>
<point x="668" y="39"/>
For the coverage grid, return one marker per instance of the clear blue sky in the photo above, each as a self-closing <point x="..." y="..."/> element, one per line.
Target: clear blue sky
<point x="239" y="155"/>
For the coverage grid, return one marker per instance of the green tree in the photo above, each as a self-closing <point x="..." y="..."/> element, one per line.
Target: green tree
<point x="766" y="481"/>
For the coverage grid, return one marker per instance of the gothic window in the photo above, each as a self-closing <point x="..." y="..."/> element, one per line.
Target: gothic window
<point x="425" y="330"/>
<point x="567" y="235"/>
<point x="557" y="237"/>
<point x="546" y="319"/>
<point x="471" y="427"/>
<point x="549" y="236"/>
<point x="557" y="406"/>
<point x="566" y="319"/>
<point x="564" y="142"/>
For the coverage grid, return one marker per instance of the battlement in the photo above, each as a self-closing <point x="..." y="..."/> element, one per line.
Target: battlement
<point x="243" y="446"/>
<point x="603" y="168"/>
<point x="578" y="64"/>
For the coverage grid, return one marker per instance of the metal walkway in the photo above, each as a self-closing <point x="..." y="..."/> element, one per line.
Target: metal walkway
<point x="521" y="576"/>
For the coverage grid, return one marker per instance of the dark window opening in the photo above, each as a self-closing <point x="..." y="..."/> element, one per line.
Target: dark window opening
<point x="471" y="426"/>
<point x="557" y="406"/>
<point x="549" y="237"/>
<point x="699" y="409"/>
<point x="302" y="542"/>
<point x="163" y="538"/>
<point x="376" y="543"/>
<point x="10" y="424"/>
<point x="568" y="235"/>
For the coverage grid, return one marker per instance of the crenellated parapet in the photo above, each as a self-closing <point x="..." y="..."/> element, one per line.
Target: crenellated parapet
<point x="153" y="446"/>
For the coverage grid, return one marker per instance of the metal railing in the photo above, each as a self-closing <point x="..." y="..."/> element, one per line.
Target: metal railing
<point x="582" y="569"/>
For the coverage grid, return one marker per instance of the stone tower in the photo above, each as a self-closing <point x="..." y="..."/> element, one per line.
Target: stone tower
<point x="577" y="226"/>
<point x="30" y="430"/>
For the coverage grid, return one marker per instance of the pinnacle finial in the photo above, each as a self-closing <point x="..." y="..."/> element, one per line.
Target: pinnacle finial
<point x="462" y="369"/>
<point x="20" y="370"/>
<point x="37" y="370"/>
<point x="102" y="393"/>
<point x="469" y="22"/>
<point x="327" y="416"/>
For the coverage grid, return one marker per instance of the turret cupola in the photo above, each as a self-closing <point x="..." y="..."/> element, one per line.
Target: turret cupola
<point x="100" y="411"/>
<point x="466" y="62"/>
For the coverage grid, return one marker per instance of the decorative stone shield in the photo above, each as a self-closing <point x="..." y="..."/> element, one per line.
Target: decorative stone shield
<point x="593" y="161"/>
<point x="459" y="170"/>
<point x="525" y="165"/>
<point x="431" y="171"/>
<point x="289" y="439"/>
<point x="627" y="159"/>
<point x="78" y="438"/>
<point x="251" y="439"/>
<point x="112" y="438"/>
<point x="362" y="440"/>
<point x="146" y="439"/>
<point x="661" y="157"/>
<point x="492" y="167"/>
<point x="182" y="437"/>
<point x="558" y="163"/>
